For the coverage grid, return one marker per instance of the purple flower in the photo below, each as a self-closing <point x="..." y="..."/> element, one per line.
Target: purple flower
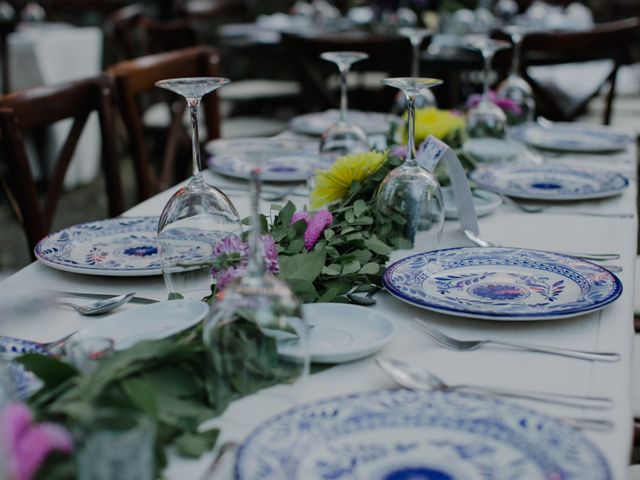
<point x="504" y="103"/>
<point x="399" y="151"/>
<point x="26" y="444"/>
<point x="316" y="226"/>
<point x="301" y="215"/>
<point x="270" y="254"/>
<point x="229" y="275"/>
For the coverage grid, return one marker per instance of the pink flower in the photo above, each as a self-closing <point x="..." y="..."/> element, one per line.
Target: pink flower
<point x="229" y="275"/>
<point x="301" y="215"/>
<point x="25" y="445"/>
<point x="504" y="103"/>
<point x="270" y="254"/>
<point x="316" y="226"/>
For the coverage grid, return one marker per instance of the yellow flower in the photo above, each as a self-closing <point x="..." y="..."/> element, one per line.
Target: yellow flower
<point x="436" y="122"/>
<point x="333" y="184"/>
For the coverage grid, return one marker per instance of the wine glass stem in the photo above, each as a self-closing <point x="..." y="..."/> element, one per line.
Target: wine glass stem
<point x="415" y="56"/>
<point x="488" y="58"/>
<point x="344" y="71"/>
<point x="410" y="159"/>
<point x="516" y="39"/>
<point x="255" y="261"/>
<point x="194" y="103"/>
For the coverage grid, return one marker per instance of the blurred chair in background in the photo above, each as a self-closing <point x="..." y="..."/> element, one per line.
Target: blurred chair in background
<point x="389" y="56"/>
<point x="136" y="92"/>
<point x="21" y="113"/>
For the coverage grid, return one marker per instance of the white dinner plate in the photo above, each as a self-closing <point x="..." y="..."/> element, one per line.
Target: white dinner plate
<point x="342" y="332"/>
<point x="572" y="137"/>
<point x="549" y="181"/>
<point x="500" y="283"/>
<point x="403" y="434"/>
<point x="280" y="160"/>
<point x="147" y="322"/>
<point x="492" y="150"/>
<point x="317" y="122"/>
<point x="484" y="202"/>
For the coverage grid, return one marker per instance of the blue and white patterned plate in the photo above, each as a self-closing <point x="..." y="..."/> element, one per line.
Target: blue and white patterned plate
<point x="549" y="182"/>
<point x="280" y="160"/>
<point x="499" y="283"/>
<point x="124" y="246"/>
<point x="402" y="434"/>
<point x="572" y="137"/>
<point x="317" y="122"/>
<point x="24" y="382"/>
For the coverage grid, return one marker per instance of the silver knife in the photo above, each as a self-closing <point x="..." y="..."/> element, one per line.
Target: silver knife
<point x="101" y="296"/>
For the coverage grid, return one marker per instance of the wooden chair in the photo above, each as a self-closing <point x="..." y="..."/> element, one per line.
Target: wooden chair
<point x="610" y="41"/>
<point x="137" y="77"/>
<point x="6" y="28"/>
<point x="388" y="54"/>
<point x="24" y="112"/>
<point x="166" y="35"/>
<point x="218" y="11"/>
<point x="122" y="34"/>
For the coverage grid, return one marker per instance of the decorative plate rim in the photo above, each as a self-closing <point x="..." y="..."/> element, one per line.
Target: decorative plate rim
<point x="61" y="265"/>
<point x="490" y="400"/>
<point x="295" y="121"/>
<point x="460" y="312"/>
<point x="513" y="167"/>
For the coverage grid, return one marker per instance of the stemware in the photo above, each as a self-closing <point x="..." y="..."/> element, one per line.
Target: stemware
<point x="343" y="137"/>
<point x="486" y="123"/>
<point x="410" y="190"/>
<point x="198" y="214"/>
<point x="425" y="98"/>
<point x="259" y="311"/>
<point x="514" y="87"/>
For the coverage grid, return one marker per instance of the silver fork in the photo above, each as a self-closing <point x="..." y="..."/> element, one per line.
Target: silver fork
<point x="557" y="208"/>
<point x="462" y="345"/>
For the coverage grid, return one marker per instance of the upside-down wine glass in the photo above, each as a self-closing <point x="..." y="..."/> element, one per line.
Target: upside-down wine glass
<point x="255" y="335"/>
<point x="343" y="137"/>
<point x="410" y="190"/>
<point x="486" y="123"/>
<point x="198" y="214"/>
<point x="425" y="98"/>
<point x="514" y="87"/>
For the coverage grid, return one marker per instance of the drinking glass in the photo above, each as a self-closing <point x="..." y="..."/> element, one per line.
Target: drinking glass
<point x="197" y="215"/>
<point x="486" y="123"/>
<point x="343" y="137"/>
<point x="425" y="98"/>
<point x="514" y="87"/>
<point x="115" y="443"/>
<point x="410" y="190"/>
<point x="255" y="336"/>
<point x="87" y="353"/>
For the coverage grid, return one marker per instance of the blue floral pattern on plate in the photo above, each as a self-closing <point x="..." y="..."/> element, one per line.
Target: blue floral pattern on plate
<point x="24" y="382"/>
<point x="502" y="283"/>
<point x="124" y="246"/>
<point x="549" y="182"/>
<point x="394" y="434"/>
<point x="572" y="137"/>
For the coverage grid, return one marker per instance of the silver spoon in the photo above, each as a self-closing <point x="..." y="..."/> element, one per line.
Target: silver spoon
<point x="101" y="306"/>
<point x="483" y="242"/>
<point x="414" y="379"/>
<point x="364" y="300"/>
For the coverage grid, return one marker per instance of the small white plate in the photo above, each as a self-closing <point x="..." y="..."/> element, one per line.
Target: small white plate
<point x="492" y="150"/>
<point x="484" y="201"/>
<point x="572" y="137"/>
<point x="341" y="332"/>
<point x="148" y="322"/>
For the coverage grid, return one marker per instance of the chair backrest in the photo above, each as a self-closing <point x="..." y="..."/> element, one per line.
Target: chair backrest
<point x="6" y="27"/>
<point x="24" y="112"/>
<point x="610" y="41"/>
<point x="122" y="33"/>
<point x="388" y="54"/>
<point x="166" y="35"/>
<point x="137" y="77"/>
<point x="219" y="11"/>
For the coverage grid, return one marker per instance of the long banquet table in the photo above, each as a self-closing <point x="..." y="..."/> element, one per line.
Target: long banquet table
<point x="610" y="329"/>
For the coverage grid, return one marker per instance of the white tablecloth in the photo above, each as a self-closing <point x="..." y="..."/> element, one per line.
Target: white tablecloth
<point x="610" y="329"/>
<point x="49" y="54"/>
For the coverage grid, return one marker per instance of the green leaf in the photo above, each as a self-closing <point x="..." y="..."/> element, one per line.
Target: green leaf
<point x="369" y="269"/>
<point x="141" y="395"/>
<point x="193" y="444"/>
<point x="331" y="270"/>
<point x="174" y="296"/>
<point x="350" y="267"/>
<point x="377" y="246"/>
<point x="284" y="217"/>
<point x="295" y="246"/>
<point x="51" y="371"/>
<point x="303" y="266"/>
<point x="359" y="207"/>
